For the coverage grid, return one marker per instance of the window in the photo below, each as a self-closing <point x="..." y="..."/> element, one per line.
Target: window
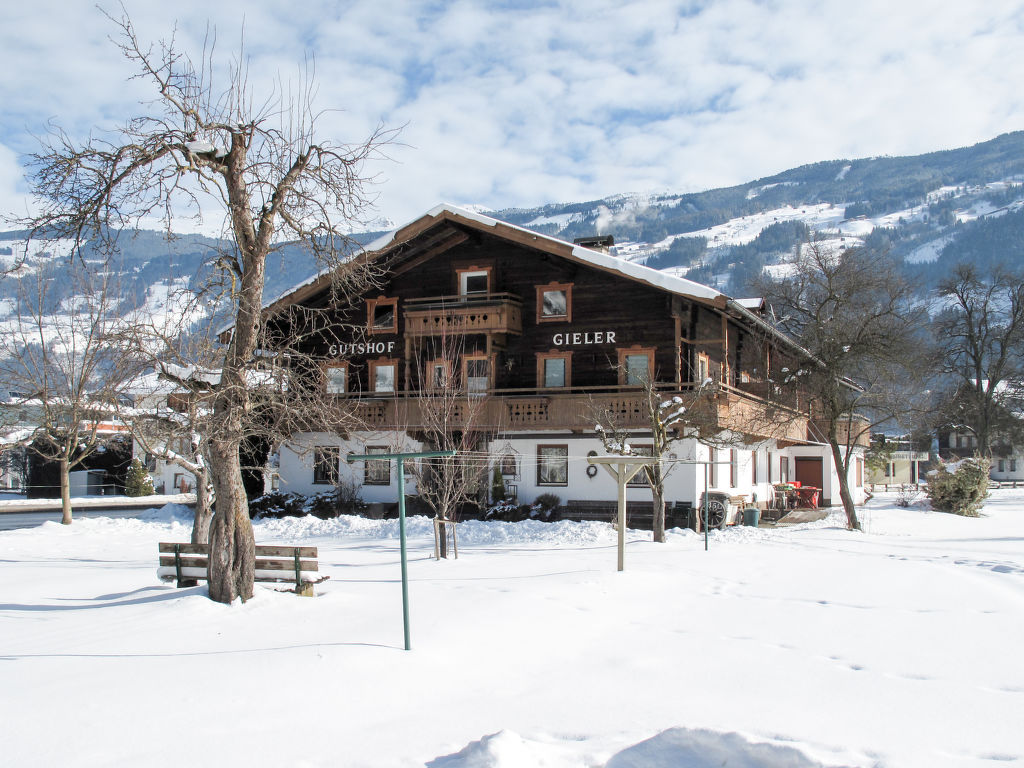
<point x="382" y="315"/>
<point x="477" y="373"/>
<point x="1013" y="465"/>
<point x="383" y="374"/>
<point x="554" y="303"/>
<point x="860" y="473"/>
<point x="337" y="378"/>
<point x="439" y="374"/>
<point x="552" y="465"/>
<point x="784" y="469"/>
<point x="713" y="467"/>
<point x="888" y="469"/>
<point x="1002" y="465"/>
<point x="377" y="472"/>
<point x="770" y="460"/>
<point x="553" y="369"/>
<point x="636" y="365"/>
<point x="325" y="464"/>
<point x="734" y="461"/>
<point x="703" y="366"/>
<point x="753" y="467"/>
<point x="474" y="280"/>
<point x="959" y="441"/>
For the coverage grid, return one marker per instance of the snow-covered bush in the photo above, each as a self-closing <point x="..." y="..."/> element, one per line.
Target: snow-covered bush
<point x="342" y="500"/>
<point x="962" y="490"/>
<point x="505" y="510"/>
<point x="544" y="505"/>
<point x="907" y="495"/>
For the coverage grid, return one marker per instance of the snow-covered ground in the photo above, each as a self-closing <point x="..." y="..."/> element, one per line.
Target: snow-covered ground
<point x="801" y="646"/>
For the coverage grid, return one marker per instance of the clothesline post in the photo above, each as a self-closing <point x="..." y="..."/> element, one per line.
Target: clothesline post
<point x="622" y="468"/>
<point x="401" y="457"/>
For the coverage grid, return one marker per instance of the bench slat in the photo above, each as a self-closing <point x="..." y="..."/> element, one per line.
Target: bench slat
<point x="264" y="550"/>
<point x="261" y="564"/>
<point x="273" y="550"/>
<point x="170" y="573"/>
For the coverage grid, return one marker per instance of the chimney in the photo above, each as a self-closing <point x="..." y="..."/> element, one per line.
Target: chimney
<point x="602" y="243"/>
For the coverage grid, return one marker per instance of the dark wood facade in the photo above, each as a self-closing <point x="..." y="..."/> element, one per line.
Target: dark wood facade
<point x="546" y="329"/>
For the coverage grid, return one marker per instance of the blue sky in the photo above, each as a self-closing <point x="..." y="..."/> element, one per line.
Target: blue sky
<point x="524" y="103"/>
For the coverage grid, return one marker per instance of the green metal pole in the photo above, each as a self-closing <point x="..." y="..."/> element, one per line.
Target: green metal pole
<point x="400" y="458"/>
<point x="405" y="564"/>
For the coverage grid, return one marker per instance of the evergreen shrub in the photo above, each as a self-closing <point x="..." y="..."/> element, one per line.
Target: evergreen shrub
<point x="138" y="482"/>
<point x="961" y="491"/>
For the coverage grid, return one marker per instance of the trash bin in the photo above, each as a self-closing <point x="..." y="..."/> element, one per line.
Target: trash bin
<point x="751" y="516"/>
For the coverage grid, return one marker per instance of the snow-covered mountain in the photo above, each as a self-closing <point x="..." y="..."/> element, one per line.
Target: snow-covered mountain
<point x="931" y="210"/>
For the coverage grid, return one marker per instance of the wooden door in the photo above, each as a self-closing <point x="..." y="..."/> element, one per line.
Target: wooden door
<point x="809" y="471"/>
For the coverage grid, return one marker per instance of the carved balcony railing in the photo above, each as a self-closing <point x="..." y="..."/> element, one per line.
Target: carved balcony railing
<point x="474" y="313"/>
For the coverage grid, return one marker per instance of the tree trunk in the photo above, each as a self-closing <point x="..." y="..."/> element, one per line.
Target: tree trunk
<point x="658" y="523"/>
<point x="232" y="560"/>
<point x="844" y="487"/>
<point x="65" y="491"/>
<point x="204" y="510"/>
<point x="442" y="538"/>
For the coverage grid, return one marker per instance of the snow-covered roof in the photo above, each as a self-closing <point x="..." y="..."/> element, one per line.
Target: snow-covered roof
<point x="598" y="259"/>
<point x="653" y="277"/>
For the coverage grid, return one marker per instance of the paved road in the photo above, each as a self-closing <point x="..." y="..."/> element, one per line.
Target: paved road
<point x="19" y="512"/>
<point x="13" y="520"/>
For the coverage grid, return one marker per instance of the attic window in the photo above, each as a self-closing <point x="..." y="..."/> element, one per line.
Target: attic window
<point x="554" y="302"/>
<point x="382" y="315"/>
<point x="474" y="280"/>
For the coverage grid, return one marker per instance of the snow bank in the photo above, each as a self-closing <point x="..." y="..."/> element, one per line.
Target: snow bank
<point x="894" y="646"/>
<point x="707" y="749"/>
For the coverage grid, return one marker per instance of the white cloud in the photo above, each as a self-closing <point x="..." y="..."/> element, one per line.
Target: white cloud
<point x="518" y="105"/>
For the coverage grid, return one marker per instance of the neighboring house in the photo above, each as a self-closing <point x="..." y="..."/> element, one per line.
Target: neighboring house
<point x="21" y="469"/>
<point x="550" y="331"/>
<point x="17" y="422"/>
<point x="1005" y="442"/>
<point x="157" y="397"/>
<point x="904" y="465"/>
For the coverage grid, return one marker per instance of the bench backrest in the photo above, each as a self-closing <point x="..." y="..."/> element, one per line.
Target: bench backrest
<point x="273" y="562"/>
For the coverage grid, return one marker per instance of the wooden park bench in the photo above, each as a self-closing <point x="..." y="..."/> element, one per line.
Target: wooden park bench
<point x="639" y="514"/>
<point x="186" y="564"/>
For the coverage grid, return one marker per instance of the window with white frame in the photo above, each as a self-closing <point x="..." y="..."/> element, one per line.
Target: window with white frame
<point x="473" y="281"/>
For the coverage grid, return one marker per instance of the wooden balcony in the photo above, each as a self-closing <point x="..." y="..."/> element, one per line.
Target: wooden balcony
<point x="579" y="411"/>
<point x="475" y="313"/>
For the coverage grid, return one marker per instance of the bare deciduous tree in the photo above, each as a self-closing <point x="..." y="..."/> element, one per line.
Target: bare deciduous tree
<point x="454" y="416"/>
<point x="264" y="162"/>
<point x="58" y="355"/>
<point x="671" y="415"/>
<point x="979" y="336"/>
<point x="860" y="329"/>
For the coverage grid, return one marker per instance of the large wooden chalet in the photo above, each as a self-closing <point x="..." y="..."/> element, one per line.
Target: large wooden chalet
<point x="550" y="333"/>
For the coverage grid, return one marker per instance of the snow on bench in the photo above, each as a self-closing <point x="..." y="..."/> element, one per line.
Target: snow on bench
<point x="187" y="563"/>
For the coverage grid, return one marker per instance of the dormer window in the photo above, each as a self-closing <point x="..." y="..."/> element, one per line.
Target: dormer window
<point x="474" y="280"/>
<point x="382" y="315"/>
<point x="554" y="303"/>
